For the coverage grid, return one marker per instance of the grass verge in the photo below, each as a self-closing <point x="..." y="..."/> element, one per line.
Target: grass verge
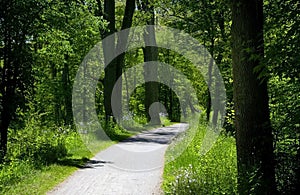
<point x="27" y="177"/>
<point x="193" y="173"/>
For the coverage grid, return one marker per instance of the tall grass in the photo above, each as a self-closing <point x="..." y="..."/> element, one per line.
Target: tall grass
<point x="194" y="173"/>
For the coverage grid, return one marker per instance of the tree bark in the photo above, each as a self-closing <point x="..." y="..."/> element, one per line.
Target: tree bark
<point x="254" y="138"/>
<point x="208" y="108"/>
<point x="297" y="169"/>
<point x="151" y="56"/>
<point x="121" y="45"/>
<point x="7" y="84"/>
<point x="113" y="71"/>
<point x="109" y="51"/>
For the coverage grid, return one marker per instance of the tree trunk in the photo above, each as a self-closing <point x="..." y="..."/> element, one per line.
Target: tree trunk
<point x="208" y="108"/>
<point x="297" y="169"/>
<point x="254" y="139"/>
<point x="221" y="24"/>
<point x="121" y="45"/>
<point x="151" y="56"/>
<point x="7" y="85"/>
<point x="113" y="71"/>
<point x="109" y="51"/>
<point x="4" y="124"/>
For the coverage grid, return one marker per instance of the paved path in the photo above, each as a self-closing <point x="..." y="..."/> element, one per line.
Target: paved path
<point x="134" y="166"/>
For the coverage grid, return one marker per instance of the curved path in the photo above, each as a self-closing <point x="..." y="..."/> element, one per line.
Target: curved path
<point x="133" y="166"/>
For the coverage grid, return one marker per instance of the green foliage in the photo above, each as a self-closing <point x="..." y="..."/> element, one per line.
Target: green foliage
<point x="115" y="132"/>
<point x="212" y="173"/>
<point x="209" y="22"/>
<point x="282" y="37"/>
<point x="66" y="33"/>
<point x="284" y="106"/>
<point x="165" y="121"/>
<point x="229" y="119"/>
<point x="11" y="173"/>
<point x="30" y="149"/>
<point x="37" y="144"/>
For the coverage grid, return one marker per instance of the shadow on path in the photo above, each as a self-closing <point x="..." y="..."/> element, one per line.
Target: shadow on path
<point x="82" y="163"/>
<point x="160" y="136"/>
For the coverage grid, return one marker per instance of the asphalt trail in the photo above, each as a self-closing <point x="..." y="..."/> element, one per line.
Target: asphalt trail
<point x="134" y="166"/>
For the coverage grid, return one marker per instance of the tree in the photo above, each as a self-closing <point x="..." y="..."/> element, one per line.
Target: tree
<point x="113" y="71"/>
<point x="65" y="33"/>
<point x="208" y="22"/>
<point x="108" y="14"/>
<point x="254" y="139"/>
<point x="17" y="22"/>
<point x="150" y="56"/>
<point x="282" y="39"/>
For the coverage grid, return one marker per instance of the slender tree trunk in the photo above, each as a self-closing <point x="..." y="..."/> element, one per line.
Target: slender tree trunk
<point x="254" y="139"/>
<point x="217" y="94"/>
<point x="221" y="24"/>
<point x="211" y="30"/>
<point x="4" y="124"/>
<point x="297" y="183"/>
<point x="208" y="108"/>
<point x="109" y="51"/>
<point x="6" y="84"/>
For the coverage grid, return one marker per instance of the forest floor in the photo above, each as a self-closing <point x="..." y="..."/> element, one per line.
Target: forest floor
<point x="133" y="166"/>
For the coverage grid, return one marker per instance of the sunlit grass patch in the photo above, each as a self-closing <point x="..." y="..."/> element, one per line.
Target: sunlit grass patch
<point x="212" y="173"/>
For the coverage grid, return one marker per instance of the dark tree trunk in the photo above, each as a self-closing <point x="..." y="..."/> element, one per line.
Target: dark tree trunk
<point x="297" y="183"/>
<point x="56" y="95"/>
<point x="208" y="108"/>
<point x="254" y="138"/>
<point x="16" y="55"/>
<point x="151" y="54"/>
<point x="109" y="51"/>
<point x="4" y="124"/>
<point x="121" y="45"/>
<point x="7" y="85"/>
<point x="113" y="71"/>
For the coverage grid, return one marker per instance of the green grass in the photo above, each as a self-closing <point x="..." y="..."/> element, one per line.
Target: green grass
<point x="24" y="177"/>
<point x="40" y="181"/>
<point x="193" y="173"/>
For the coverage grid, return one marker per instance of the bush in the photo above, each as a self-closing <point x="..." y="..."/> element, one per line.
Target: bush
<point x="38" y="144"/>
